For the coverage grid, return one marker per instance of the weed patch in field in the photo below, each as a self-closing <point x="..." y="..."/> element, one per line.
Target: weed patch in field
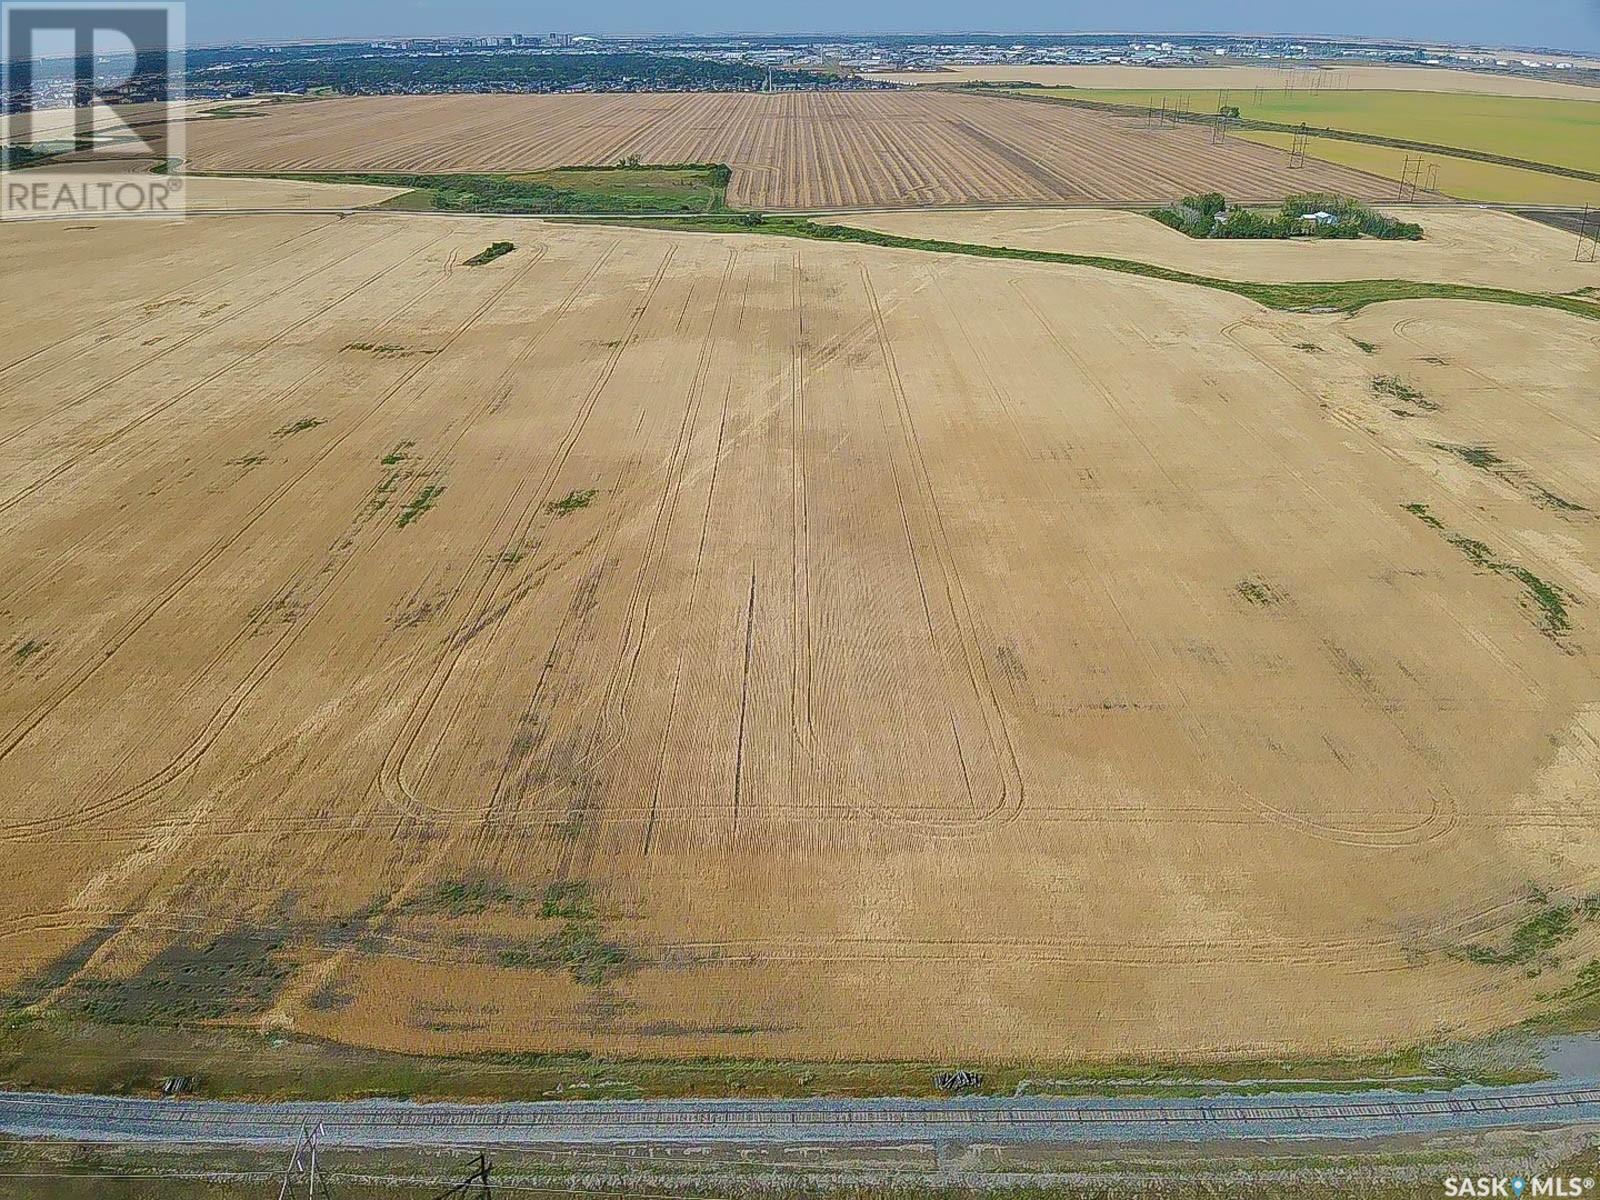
<point x="1395" y="388"/>
<point x="300" y="426"/>
<point x="1545" y="498"/>
<point x="1486" y="459"/>
<point x="577" y="947"/>
<point x="1549" y="601"/>
<point x="28" y="649"/>
<point x="489" y="254"/>
<point x="420" y="503"/>
<point x="571" y="503"/>
<point x="235" y="974"/>
<point x="567" y="899"/>
<point x="385" y="350"/>
<point x="468" y="898"/>
<point x="1257" y="593"/>
<point x="1535" y="937"/>
<point x="1481" y="457"/>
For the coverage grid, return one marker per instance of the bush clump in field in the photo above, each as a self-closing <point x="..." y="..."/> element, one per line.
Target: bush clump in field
<point x="1313" y="215"/>
<point x="488" y="255"/>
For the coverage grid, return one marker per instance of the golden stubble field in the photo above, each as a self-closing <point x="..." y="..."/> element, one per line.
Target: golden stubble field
<point x="682" y="644"/>
<point x="803" y="150"/>
<point x="1466" y="244"/>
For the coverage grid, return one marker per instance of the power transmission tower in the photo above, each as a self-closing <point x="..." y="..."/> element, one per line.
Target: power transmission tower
<point x="303" y="1169"/>
<point x="1588" y="236"/>
<point x="1219" y="129"/>
<point x="475" y="1185"/>
<point x="1300" y="147"/>
<point x="1412" y="177"/>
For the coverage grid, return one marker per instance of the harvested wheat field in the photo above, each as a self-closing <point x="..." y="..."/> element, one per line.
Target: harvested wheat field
<point x="681" y="644"/>
<point x="1465" y="245"/>
<point x="817" y="150"/>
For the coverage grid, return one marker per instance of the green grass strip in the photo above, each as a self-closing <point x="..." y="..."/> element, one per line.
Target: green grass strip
<point x="1347" y="296"/>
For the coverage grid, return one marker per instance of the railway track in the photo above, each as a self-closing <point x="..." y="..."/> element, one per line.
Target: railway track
<point x="814" y="1122"/>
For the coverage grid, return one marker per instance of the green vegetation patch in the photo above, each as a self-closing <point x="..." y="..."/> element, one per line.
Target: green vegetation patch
<point x="577" y="947"/>
<point x="629" y="187"/>
<point x="1260" y="594"/>
<point x="567" y="899"/>
<point x="1395" y="388"/>
<point x="1481" y="457"/>
<point x="467" y="898"/>
<point x="1309" y="215"/>
<point x="17" y="158"/>
<point x="300" y="426"/>
<point x="1486" y="459"/>
<point x="489" y="254"/>
<point x="1346" y="296"/>
<point x="1549" y="601"/>
<point x="1517" y="129"/>
<point x="385" y="350"/>
<point x="420" y="503"/>
<point x="571" y="502"/>
<point x="1534" y="939"/>
<point x="29" y="649"/>
<point x="236" y="974"/>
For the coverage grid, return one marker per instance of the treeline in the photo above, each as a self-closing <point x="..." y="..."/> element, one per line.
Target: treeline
<point x="1311" y="214"/>
<point x="16" y="157"/>
<point x="398" y="74"/>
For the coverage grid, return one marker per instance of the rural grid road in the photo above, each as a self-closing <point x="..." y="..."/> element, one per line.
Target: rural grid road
<point x="803" y="1122"/>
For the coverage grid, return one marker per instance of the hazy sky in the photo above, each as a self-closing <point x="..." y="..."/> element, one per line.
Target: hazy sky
<point x="1570" y="24"/>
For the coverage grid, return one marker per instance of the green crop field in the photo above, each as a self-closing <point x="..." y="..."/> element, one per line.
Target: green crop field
<point x="1561" y="133"/>
<point x="1462" y="178"/>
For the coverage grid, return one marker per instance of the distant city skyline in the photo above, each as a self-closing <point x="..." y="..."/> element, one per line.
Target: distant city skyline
<point x="1572" y="25"/>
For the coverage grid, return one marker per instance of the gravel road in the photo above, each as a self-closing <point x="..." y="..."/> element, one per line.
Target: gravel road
<point x="806" y="1122"/>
